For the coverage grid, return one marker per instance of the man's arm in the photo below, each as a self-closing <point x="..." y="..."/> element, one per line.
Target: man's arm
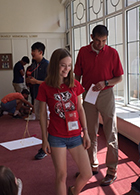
<point x="26" y="102"/>
<point x="35" y="81"/>
<point x="22" y="72"/>
<point x="114" y="81"/>
<point x="100" y="85"/>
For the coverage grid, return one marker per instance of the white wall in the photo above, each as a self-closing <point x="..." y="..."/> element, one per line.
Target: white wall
<point x="31" y="16"/>
<point x="25" y="22"/>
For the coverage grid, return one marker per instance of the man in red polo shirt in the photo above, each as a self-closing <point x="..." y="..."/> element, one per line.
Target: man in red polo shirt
<point x="100" y="65"/>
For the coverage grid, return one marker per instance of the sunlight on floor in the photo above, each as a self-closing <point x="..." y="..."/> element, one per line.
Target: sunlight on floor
<point x="128" y="172"/>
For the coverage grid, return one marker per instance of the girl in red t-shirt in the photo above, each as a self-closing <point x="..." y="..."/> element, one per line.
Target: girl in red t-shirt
<point x="67" y="118"/>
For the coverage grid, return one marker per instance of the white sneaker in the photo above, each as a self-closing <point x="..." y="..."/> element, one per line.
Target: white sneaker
<point x="5" y="112"/>
<point x="31" y="117"/>
<point x="19" y="183"/>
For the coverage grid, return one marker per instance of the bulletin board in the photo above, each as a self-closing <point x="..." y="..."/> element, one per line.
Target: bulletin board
<point x="6" y="61"/>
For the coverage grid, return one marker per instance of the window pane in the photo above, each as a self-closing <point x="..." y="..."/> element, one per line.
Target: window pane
<point x="115" y="40"/>
<point x="68" y="17"/>
<point x="119" y="92"/>
<point x="113" y="5"/>
<point x="133" y="54"/>
<point x="133" y="92"/>
<point x="133" y="24"/>
<point x="79" y="39"/>
<point x="119" y="31"/>
<point x="119" y="48"/>
<point x="133" y="57"/>
<point x="133" y="71"/>
<point x="79" y="15"/>
<point x="111" y="27"/>
<point x="119" y="88"/>
<point x="95" y="9"/>
<point x="115" y="33"/>
<point x="129" y="2"/>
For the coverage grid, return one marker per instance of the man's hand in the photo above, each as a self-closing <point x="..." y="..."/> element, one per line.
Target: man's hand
<point x="33" y="81"/>
<point x="28" y="80"/>
<point x="99" y="86"/>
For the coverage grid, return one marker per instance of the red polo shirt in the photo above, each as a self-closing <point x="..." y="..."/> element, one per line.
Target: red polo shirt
<point x="97" y="67"/>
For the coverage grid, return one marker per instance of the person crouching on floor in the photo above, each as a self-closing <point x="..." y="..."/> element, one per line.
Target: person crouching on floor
<point x="13" y="102"/>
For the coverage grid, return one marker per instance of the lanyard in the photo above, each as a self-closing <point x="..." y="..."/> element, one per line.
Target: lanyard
<point x="71" y="117"/>
<point x="34" y="69"/>
<point x="30" y="72"/>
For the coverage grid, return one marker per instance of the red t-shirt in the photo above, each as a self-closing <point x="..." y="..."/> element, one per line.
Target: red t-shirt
<point x="50" y="95"/>
<point x="12" y="96"/>
<point x="97" y="67"/>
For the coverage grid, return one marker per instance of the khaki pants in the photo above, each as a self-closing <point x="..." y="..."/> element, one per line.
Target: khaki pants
<point x="18" y="87"/>
<point x="105" y="104"/>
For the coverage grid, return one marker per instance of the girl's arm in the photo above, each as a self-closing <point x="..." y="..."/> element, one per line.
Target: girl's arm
<point x="82" y="117"/>
<point x="43" y="124"/>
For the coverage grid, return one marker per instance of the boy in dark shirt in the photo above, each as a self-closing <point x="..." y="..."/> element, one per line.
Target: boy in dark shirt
<point x="35" y="74"/>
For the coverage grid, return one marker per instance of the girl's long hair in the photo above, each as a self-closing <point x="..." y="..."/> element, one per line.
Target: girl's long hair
<point x="53" y="70"/>
<point x="7" y="182"/>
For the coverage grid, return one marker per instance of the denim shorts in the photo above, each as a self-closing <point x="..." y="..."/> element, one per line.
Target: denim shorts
<point x="9" y="106"/>
<point x="61" y="142"/>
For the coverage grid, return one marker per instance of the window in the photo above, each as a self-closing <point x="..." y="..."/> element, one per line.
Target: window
<point x="95" y="9"/>
<point x="115" y="40"/>
<point x="68" y="25"/>
<point x="129" y="2"/>
<point x="113" y="6"/>
<point x="122" y="19"/>
<point x="79" y="15"/>
<point x="68" y="16"/>
<point x="133" y="43"/>
<point x="79" y="39"/>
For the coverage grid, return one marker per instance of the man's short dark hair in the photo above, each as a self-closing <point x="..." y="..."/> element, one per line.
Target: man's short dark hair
<point x="39" y="46"/>
<point x="100" y="30"/>
<point x="25" y="59"/>
<point x="25" y="91"/>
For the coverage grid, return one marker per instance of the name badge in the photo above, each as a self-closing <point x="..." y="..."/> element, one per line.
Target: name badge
<point x="72" y="120"/>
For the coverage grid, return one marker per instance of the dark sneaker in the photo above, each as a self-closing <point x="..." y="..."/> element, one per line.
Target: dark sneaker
<point x="40" y="155"/>
<point x="17" y="116"/>
<point x="1" y="113"/>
